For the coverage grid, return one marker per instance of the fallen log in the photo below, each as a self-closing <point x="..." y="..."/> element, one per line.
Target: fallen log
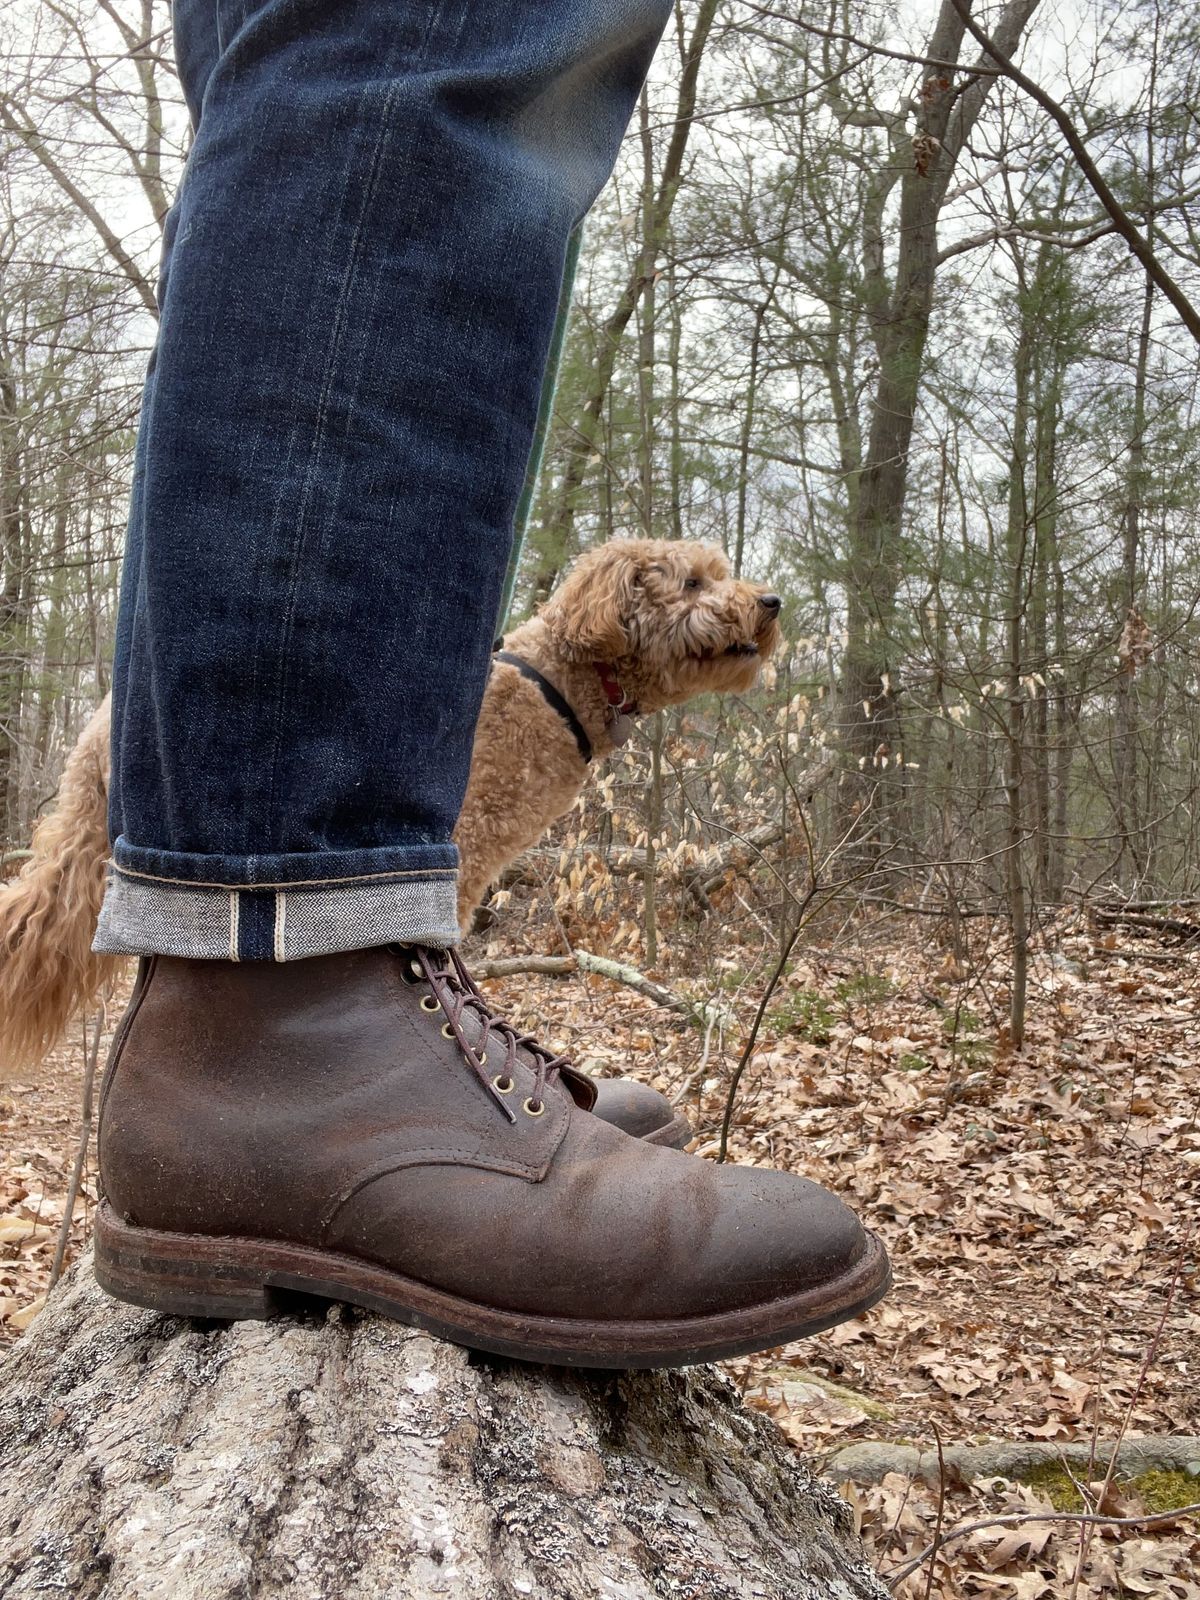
<point x="1187" y="931"/>
<point x="345" y="1457"/>
<point x="871" y="1460"/>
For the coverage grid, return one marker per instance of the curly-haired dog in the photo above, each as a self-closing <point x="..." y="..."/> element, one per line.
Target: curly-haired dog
<point x="637" y="624"/>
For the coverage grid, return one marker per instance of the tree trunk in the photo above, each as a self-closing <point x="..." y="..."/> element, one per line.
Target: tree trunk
<point x="350" y="1457"/>
<point x="1014" y="719"/>
<point x="14" y="602"/>
<point x="1125" y="737"/>
<point x="899" y="306"/>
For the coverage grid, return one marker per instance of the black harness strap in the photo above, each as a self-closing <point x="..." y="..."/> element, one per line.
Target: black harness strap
<point x="552" y="698"/>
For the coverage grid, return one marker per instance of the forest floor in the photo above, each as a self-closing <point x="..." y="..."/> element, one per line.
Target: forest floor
<point x="1040" y="1207"/>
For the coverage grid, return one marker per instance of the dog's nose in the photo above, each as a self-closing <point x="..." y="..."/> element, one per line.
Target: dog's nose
<point x="770" y="602"/>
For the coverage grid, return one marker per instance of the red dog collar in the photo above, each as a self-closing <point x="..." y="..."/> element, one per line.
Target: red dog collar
<point x="613" y="692"/>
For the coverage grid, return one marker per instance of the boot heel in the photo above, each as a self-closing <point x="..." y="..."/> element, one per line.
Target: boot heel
<point x="177" y="1274"/>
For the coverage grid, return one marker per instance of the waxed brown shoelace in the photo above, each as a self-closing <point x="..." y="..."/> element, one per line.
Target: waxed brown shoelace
<point x="457" y="993"/>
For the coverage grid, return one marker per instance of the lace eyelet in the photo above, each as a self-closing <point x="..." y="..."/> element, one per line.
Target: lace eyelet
<point x="531" y="1111"/>
<point x="447" y="1031"/>
<point x="428" y="1003"/>
<point x="502" y="1084"/>
<point x="415" y="970"/>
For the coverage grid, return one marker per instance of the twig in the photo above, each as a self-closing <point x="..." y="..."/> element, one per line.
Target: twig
<point x="1151" y="1519"/>
<point x="89" y="1073"/>
<point x="1150" y="958"/>
<point x="772" y="983"/>
<point x="696" y="1076"/>
<point x="1151" y="1352"/>
<point x="941" y="1513"/>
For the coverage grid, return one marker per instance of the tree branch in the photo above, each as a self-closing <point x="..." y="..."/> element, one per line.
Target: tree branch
<point x="35" y="144"/>
<point x="1122" y="221"/>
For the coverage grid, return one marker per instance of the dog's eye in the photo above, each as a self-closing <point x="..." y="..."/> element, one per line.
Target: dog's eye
<point x="691" y="583"/>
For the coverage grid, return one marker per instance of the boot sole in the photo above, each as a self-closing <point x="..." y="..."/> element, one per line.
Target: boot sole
<point x="194" y="1275"/>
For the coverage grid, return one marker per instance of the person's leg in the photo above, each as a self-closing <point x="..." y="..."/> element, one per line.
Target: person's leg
<point x="357" y="302"/>
<point x="365" y="263"/>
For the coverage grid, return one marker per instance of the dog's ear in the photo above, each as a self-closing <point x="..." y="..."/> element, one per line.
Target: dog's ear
<point x="589" y="611"/>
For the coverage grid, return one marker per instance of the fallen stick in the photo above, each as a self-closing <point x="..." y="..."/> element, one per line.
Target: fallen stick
<point x="603" y="967"/>
<point x="1162" y="958"/>
<point x="872" y="1459"/>
<point x="1139" y="919"/>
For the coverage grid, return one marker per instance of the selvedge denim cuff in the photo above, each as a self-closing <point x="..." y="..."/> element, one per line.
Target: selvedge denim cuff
<point x="281" y="914"/>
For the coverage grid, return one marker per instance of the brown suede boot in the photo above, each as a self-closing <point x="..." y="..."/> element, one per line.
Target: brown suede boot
<point x="360" y="1127"/>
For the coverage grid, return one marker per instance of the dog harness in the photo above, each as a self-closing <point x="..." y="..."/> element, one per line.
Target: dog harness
<point x="552" y="698"/>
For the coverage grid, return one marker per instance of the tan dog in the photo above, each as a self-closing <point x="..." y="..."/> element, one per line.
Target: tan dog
<point x="638" y="624"/>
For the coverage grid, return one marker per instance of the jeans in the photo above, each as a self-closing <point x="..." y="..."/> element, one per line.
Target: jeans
<point x="357" y="295"/>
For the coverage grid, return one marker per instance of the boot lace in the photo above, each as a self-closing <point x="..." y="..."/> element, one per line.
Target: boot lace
<point x="458" y="995"/>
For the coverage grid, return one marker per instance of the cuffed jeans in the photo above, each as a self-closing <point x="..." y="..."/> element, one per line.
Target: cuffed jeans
<point x="357" y="296"/>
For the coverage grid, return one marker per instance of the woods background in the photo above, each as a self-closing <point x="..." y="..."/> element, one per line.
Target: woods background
<point x="849" y="309"/>
<point x="921" y="909"/>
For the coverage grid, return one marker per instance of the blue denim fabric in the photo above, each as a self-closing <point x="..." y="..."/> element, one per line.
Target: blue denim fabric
<point x="358" y="292"/>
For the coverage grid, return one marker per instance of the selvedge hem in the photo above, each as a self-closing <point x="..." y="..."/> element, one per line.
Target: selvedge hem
<point x="200" y="922"/>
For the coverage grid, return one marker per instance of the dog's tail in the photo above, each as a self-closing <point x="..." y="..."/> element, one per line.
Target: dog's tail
<point x="48" y="914"/>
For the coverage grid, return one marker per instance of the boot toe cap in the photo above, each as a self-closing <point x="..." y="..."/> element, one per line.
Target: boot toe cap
<point x="778" y="1235"/>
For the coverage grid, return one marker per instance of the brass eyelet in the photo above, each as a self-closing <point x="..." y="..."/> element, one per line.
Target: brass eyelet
<point x="415" y="969"/>
<point x="502" y="1084"/>
<point x="428" y="1003"/>
<point x="529" y="1108"/>
<point x="447" y="1031"/>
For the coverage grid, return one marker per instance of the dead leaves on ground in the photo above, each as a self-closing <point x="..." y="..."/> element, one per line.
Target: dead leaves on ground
<point x="39" y="1129"/>
<point x="1037" y="1207"/>
<point x="1037" y="1556"/>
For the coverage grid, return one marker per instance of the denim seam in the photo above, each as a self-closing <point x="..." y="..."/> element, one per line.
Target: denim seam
<point x="213" y="923"/>
<point x="427" y="874"/>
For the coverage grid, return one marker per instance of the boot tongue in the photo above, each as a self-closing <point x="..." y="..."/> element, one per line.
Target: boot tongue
<point x="579" y="1086"/>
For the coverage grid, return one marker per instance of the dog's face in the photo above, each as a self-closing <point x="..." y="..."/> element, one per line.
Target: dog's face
<point x="668" y="615"/>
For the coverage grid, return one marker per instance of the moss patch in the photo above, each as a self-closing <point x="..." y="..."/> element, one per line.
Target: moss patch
<point x="1167" y="1491"/>
<point x="1158" y="1490"/>
<point x="1054" y="1483"/>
